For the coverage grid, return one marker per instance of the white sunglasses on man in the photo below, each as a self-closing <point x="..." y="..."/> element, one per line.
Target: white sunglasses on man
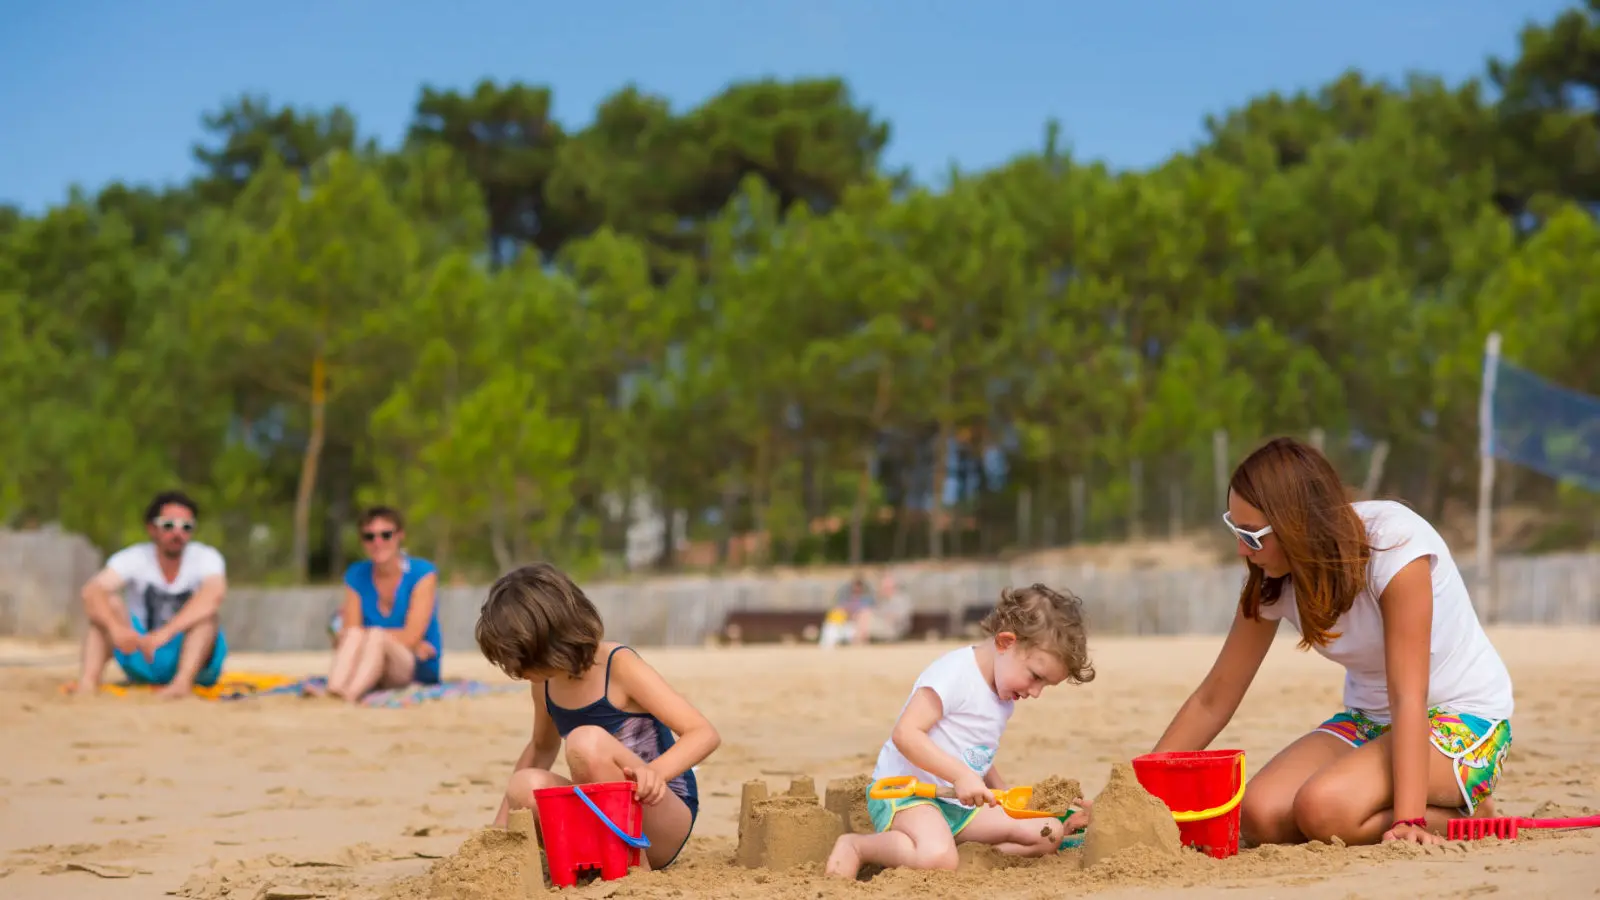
<point x="1252" y="539"/>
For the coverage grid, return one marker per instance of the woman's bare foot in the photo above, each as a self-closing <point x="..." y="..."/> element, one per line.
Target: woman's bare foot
<point x="313" y="690"/>
<point x="845" y="860"/>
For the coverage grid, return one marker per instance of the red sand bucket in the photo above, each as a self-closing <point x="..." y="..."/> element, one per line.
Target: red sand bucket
<point x="590" y="827"/>
<point x="1203" y="789"/>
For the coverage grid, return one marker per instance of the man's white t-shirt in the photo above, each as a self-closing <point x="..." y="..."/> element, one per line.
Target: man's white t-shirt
<point x="1465" y="673"/>
<point x="150" y="597"/>
<point x="970" y="729"/>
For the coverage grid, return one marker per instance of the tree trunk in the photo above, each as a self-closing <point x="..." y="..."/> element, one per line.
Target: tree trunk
<point x="941" y="470"/>
<point x="858" y="510"/>
<point x="504" y="559"/>
<point x="301" y="549"/>
<point x="761" y="497"/>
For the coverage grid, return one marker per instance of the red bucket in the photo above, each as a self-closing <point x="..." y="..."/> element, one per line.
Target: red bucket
<point x="1203" y="788"/>
<point x="593" y="827"/>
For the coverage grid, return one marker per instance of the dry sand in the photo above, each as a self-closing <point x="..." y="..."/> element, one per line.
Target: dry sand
<point x="287" y="798"/>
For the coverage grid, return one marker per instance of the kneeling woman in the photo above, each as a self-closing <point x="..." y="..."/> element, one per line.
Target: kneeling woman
<point x="1372" y="586"/>
<point x="388" y="633"/>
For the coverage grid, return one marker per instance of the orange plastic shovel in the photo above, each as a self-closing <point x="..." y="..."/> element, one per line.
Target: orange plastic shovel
<point x="1013" y="800"/>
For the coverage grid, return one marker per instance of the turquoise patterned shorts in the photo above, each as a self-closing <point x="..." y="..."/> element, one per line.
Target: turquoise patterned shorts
<point x="882" y="812"/>
<point x="1477" y="746"/>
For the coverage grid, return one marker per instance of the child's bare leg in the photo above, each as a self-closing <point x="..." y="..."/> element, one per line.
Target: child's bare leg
<point x="1017" y="837"/>
<point x="519" y="792"/>
<point x="920" y="838"/>
<point x="593" y="755"/>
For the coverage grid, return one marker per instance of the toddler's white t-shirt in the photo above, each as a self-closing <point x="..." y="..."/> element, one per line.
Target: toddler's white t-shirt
<point x="1465" y="673"/>
<point x="973" y="721"/>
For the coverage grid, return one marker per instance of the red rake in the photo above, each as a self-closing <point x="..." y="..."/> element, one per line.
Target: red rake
<point x="1506" y="828"/>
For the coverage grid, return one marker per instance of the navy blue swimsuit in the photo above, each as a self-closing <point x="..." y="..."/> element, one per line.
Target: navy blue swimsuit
<point x="642" y="733"/>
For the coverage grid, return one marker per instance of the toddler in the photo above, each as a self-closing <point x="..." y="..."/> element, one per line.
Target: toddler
<point x="617" y="716"/>
<point x="949" y="732"/>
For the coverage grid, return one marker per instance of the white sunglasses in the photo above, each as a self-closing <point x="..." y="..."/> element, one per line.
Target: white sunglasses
<point x="1252" y="539"/>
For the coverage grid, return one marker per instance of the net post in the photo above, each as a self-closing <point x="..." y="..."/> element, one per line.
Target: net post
<point x="1486" y="450"/>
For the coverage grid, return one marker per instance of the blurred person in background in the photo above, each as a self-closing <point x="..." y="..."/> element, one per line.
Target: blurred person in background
<point x="387" y="629"/>
<point x="888" y="618"/>
<point x="154" y="607"/>
<point x="842" y="622"/>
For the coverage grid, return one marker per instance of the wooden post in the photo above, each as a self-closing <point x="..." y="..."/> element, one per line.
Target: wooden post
<point x="1491" y="370"/>
<point x="1219" y="467"/>
<point x="1080" y="508"/>
<point x="1025" y="518"/>
<point x="1136" y="499"/>
<point x="1380" y="456"/>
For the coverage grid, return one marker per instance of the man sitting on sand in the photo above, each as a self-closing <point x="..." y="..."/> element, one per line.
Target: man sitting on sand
<point x="163" y="628"/>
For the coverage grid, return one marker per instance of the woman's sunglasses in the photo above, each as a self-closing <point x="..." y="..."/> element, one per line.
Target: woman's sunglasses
<point x="1252" y="539"/>
<point x="184" y="525"/>
<point x="370" y="536"/>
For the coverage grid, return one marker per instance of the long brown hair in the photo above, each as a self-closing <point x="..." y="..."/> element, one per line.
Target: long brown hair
<point x="1322" y="536"/>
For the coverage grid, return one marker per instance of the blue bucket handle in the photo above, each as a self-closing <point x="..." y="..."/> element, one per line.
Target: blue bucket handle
<point x="641" y="842"/>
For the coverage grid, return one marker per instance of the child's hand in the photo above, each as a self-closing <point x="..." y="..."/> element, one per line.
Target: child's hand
<point x="971" y="790"/>
<point x="1079" y="819"/>
<point x="651" y="789"/>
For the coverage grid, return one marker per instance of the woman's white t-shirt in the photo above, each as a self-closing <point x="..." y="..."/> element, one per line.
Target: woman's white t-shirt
<point x="974" y="718"/>
<point x="1465" y="673"/>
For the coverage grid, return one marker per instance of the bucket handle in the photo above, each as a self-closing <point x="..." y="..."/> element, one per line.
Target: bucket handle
<point x="641" y="842"/>
<point x="1200" y="815"/>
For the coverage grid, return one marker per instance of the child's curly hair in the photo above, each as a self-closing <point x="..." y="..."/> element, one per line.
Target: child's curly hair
<point x="537" y="620"/>
<point x="1044" y="618"/>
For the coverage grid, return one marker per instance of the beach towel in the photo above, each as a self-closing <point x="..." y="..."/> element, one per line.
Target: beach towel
<point x="244" y="685"/>
<point x="230" y="686"/>
<point x="411" y="694"/>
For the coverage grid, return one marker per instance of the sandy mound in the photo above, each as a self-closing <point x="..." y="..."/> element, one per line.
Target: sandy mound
<point x="490" y="864"/>
<point x="1126" y="817"/>
<point x="1055" y="794"/>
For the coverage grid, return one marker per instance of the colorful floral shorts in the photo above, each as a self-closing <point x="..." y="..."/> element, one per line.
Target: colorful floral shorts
<point x="1476" y="746"/>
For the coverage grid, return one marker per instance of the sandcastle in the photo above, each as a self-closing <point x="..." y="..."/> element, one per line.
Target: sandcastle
<point x="1126" y="816"/>
<point x="793" y="828"/>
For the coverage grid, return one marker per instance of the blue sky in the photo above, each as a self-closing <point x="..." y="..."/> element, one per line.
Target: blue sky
<point x="98" y="90"/>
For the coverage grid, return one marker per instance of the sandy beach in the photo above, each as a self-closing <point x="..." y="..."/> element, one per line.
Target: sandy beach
<point x="280" y="797"/>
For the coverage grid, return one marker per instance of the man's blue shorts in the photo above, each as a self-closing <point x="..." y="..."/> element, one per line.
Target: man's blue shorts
<point x="164" y="667"/>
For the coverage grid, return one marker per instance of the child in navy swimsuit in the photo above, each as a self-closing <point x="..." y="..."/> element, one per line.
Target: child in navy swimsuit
<point x="619" y="719"/>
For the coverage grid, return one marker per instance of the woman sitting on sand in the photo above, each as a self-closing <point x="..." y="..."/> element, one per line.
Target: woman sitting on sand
<point x="1373" y="587"/>
<point x="388" y="632"/>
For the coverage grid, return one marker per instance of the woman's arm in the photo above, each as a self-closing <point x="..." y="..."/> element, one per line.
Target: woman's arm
<point x="1212" y="705"/>
<point x="419" y="613"/>
<point x="1407" y="607"/>
<point x="697" y="738"/>
<point x="350" y="610"/>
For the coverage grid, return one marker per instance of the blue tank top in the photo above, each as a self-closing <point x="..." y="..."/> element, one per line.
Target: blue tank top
<point x="642" y="733"/>
<point x="412" y="570"/>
